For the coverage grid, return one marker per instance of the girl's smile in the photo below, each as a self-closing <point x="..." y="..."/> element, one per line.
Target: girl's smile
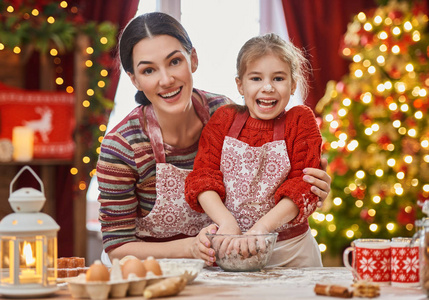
<point x="266" y="86"/>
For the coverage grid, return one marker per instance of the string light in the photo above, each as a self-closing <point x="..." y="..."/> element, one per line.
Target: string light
<point x="373" y="227"/>
<point x="390" y="226"/>
<point x="350" y="233"/>
<point x="408" y="26"/>
<point x="59" y="81"/>
<point x="378" y="19"/>
<point x="376" y="199"/>
<point x="337" y="201"/>
<point x="332" y="227"/>
<point x="82" y="185"/>
<point x="367" y="26"/>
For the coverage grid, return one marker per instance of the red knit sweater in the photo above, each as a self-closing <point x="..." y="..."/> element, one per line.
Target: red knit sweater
<point x="303" y="141"/>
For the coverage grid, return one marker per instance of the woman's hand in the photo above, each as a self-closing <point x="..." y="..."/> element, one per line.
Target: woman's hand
<point x="201" y="246"/>
<point x="320" y="180"/>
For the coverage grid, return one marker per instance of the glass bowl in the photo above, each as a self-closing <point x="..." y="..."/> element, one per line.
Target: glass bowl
<point x="243" y="253"/>
<point x="189" y="268"/>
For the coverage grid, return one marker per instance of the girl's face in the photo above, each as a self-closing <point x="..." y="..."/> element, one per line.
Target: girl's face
<point x="266" y="102"/>
<point x="163" y="71"/>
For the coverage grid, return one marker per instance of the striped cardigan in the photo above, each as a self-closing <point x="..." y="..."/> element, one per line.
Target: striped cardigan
<point x="126" y="174"/>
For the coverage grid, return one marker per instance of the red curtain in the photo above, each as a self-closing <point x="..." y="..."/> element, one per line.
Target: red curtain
<point x="318" y="27"/>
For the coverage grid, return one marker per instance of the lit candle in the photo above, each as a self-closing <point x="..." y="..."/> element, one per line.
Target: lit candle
<point x="23" y="143"/>
<point x="28" y="275"/>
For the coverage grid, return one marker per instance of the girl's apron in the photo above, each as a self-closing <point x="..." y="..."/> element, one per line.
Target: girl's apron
<point x="171" y="215"/>
<point x="251" y="176"/>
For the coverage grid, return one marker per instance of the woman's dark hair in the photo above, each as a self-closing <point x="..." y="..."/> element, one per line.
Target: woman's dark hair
<point x="147" y="26"/>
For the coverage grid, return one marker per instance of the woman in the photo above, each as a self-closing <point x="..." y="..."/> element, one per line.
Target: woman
<point x="145" y="159"/>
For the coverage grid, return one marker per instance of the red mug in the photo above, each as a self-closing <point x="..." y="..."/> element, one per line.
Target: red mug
<point x="371" y="260"/>
<point x="404" y="262"/>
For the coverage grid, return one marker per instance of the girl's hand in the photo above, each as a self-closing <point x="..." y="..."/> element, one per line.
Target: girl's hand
<point x="201" y="246"/>
<point x="320" y="180"/>
<point x="224" y="244"/>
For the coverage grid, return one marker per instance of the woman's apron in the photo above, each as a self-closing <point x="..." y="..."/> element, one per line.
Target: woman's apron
<point x="171" y="215"/>
<point x="252" y="175"/>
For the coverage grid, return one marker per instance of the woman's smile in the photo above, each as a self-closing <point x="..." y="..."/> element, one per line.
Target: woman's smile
<point x="170" y="94"/>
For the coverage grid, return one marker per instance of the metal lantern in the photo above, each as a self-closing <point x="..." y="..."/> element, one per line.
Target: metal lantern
<point x="28" y="245"/>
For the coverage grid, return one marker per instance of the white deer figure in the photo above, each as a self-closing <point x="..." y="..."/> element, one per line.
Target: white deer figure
<point x="42" y="125"/>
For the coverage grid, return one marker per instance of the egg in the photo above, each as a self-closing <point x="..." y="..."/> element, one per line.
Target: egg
<point x="133" y="266"/>
<point x="125" y="258"/>
<point x="152" y="265"/>
<point x="97" y="272"/>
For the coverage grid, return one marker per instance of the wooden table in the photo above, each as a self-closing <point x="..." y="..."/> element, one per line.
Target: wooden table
<point x="273" y="284"/>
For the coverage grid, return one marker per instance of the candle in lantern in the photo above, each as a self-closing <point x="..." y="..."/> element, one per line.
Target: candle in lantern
<point x="23" y="143"/>
<point x="28" y="275"/>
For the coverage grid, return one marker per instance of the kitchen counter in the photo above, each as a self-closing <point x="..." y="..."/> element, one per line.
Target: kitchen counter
<point x="273" y="284"/>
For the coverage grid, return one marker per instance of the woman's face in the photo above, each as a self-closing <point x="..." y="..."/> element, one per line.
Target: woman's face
<point x="266" y="86"/>
<point x="163" y="71"/>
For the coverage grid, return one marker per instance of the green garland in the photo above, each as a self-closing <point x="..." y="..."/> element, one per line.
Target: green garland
<point x="42" y="25"/>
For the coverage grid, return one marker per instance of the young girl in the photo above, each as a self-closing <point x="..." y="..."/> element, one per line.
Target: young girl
<point x="248" y="172"/>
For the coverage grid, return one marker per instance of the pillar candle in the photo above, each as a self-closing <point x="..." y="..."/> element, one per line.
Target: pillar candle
<point x="23" y="143"/>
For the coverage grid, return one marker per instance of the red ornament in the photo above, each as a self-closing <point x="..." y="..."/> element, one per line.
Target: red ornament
<point x="405" y="217"/>
<point x="339" y="166"/>
<point x="395" y="14"/>
<point x="358" y="193"/>
<point x="365" y="216"/>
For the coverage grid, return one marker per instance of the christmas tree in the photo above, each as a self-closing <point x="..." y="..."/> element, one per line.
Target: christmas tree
<point x="376" y="129"/>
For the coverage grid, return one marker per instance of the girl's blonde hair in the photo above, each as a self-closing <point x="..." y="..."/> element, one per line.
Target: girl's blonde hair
<point x="259" y="46"/>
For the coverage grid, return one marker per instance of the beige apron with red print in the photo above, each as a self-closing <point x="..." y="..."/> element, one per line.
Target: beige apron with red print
<point x="171" y="215"/>
<point x="251" y="177"/>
